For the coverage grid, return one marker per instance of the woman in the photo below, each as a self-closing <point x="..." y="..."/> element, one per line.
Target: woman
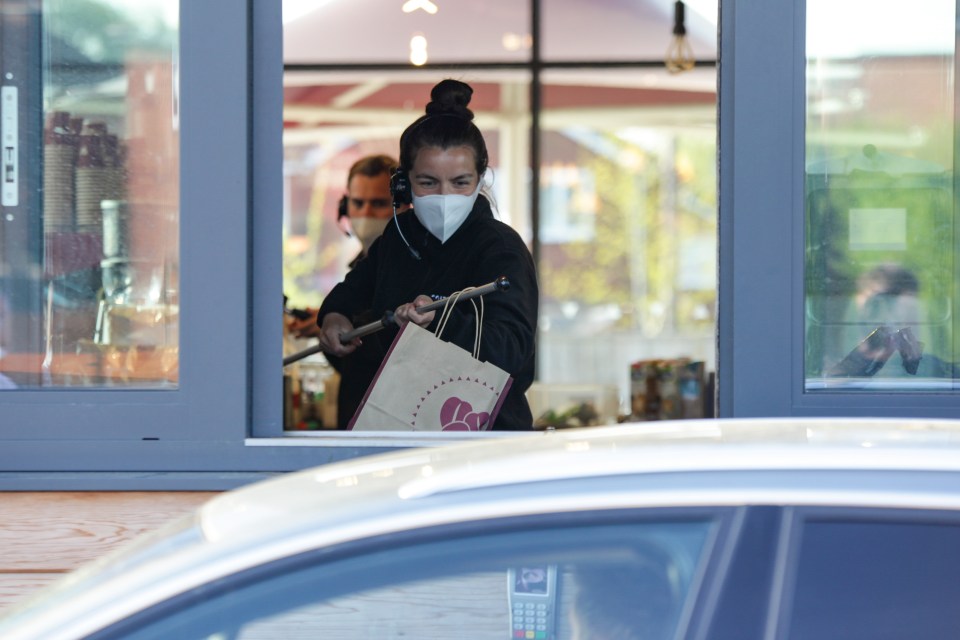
<point x="448" y="242"/>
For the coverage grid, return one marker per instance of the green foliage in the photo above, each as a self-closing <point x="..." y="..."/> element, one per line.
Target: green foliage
<point x="102" y="33"/>
<point x="643" y="213"/>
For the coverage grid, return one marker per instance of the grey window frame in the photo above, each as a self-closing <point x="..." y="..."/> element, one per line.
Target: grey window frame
<point x="222" y="428"/>
<point x="761" y="227"/>
<point x="79" y="428"/>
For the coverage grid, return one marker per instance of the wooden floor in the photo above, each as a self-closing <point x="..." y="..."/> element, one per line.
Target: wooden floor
<point x="44" y="535"/>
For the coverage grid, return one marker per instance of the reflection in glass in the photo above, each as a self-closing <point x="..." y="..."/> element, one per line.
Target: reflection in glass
<point x="630" y="580"/>
<point x="91" y="281"/>
<point x="880" y="230"/>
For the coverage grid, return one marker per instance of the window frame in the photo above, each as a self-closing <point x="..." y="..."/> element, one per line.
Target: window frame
<point x="74" y="416"/>
<point x="760" y="360"/>
<point x="231" y="341"/>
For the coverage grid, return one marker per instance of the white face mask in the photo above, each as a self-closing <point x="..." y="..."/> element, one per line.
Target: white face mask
<point x="442" y="215"/>
<point x="368" y="229"/>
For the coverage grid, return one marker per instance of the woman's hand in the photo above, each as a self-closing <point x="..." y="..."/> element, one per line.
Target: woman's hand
<point x="334" y="326"/>
<point x="408" y="313"/>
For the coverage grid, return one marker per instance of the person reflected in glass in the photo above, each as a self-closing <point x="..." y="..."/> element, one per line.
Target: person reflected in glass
<point x="887" y="298"/>
<point x="449" y="240"/>
<point x="531" y="580"/>
<point x="633" y="600"/>
<point x="6" y="338"/>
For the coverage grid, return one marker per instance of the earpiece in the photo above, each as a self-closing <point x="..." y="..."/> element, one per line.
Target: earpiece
<point x="400" y="188"/>
<point x="343" y="213"/>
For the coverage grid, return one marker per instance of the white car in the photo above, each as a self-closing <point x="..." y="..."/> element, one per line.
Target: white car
<point x="739" y="529"/>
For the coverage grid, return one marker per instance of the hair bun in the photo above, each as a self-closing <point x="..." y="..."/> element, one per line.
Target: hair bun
<point x="450" y="97"/>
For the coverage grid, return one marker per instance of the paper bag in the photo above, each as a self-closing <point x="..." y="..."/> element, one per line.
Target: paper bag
<point x="426" y="384"/>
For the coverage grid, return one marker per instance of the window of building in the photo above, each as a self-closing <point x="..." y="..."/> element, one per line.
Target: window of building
<point x="119" y="178"/>
<point x="881" y="304"/>
<point x="623" y="221"/>
<point x="89" y="295"/>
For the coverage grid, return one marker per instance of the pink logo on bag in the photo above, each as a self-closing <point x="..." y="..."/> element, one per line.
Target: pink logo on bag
<point x="448" y="405"/>
<point x="458" y="415"/>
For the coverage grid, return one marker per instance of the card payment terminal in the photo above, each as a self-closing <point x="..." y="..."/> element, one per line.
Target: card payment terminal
<point x="533" y="602"/>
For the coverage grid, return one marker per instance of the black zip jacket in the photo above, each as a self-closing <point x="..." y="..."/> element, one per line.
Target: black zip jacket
<point x="481" y="250"/>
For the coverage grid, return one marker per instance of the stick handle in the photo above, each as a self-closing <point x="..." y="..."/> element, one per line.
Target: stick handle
<point x="367" y="329"/>
<point x="500" y="284"/>
<point x="300" y="355"/>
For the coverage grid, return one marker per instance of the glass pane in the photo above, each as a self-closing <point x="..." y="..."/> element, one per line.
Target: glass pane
<point x="628" y="244"/>
<point x="628" y="240"/>
<point x="625" y="581"/>
<point x="873" y="579"/>
<point x="614" y="30"/>
<point x="91" y="256"/>
<point x="405" y="31"/>
<point x="880" y="223"/>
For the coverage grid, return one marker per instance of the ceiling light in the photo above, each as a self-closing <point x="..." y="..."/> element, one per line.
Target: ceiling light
<point x="514" y="41"/>
<point x="418" y="50"/>
<point x="679" y="54"/>
<point x="412" y="5"/>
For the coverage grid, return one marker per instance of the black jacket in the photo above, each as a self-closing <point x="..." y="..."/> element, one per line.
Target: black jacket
<point x="481" y="250"/>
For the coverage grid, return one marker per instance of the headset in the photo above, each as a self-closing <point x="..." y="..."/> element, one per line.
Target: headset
<point x="343" y="212"/>
<point x="400" y="188"/>
<point x="402" y="193"/>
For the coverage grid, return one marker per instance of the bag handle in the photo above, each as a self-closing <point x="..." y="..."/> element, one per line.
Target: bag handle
<point x="448" y="305"/>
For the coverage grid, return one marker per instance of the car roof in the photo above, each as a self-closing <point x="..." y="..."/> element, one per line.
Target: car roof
<point x="393" y="480"/>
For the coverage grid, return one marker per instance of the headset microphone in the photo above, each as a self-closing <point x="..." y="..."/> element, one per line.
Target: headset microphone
<point x="402" y="194"/>
<point x="396" y="221"/>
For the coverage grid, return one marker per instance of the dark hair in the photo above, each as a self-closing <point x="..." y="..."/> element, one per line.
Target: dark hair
<point x="372" y="166"/>
<point x="630" y="600"/>
<point x="891" y="279"/>
<point x="447" y="123"/>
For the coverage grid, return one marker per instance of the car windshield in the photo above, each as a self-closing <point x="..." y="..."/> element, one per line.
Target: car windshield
<point x="536" y="583"/>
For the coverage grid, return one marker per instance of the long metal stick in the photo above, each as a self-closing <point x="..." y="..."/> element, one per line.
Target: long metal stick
<point x="500" y="284"/>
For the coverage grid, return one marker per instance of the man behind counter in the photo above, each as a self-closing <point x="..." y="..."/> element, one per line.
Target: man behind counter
<point x="368" y="206"/>
<point x="368" y="203"/>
